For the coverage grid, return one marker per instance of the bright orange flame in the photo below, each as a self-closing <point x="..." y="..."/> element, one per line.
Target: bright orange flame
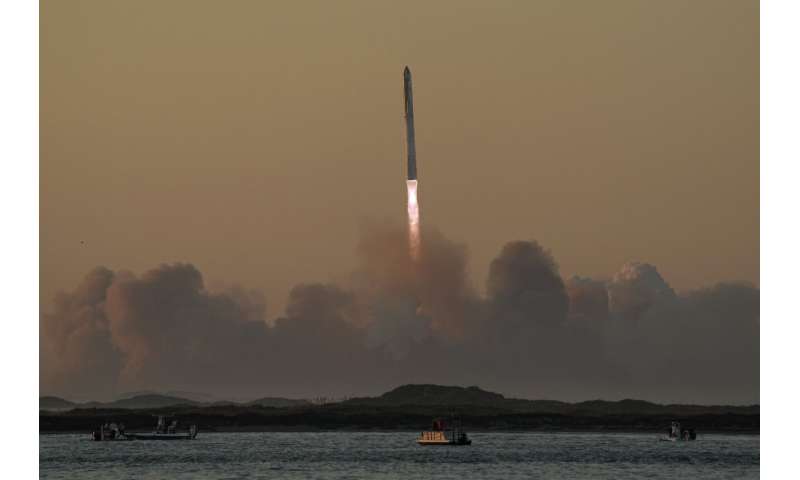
<point x="413" y="219"/>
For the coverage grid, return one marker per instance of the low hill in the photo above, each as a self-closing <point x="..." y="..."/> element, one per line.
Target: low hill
<point x="198" y="397"/>
<point x="149" y="401"/>
<point x="473" y="397"/>
<point x="55" y="404"/>
<point x="437" y="395"/>
<point x="278" y="402"/>
<point x="136" y="402"/>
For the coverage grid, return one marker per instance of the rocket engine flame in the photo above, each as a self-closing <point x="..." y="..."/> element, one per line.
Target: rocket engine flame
<point x="413" y="219"/>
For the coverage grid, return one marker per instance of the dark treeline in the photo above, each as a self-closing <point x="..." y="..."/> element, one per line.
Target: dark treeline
<point x="408" y="417"/>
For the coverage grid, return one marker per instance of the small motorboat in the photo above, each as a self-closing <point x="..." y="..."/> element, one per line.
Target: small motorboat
<point x="440" y="434"/>
<point x="163" y="431"/>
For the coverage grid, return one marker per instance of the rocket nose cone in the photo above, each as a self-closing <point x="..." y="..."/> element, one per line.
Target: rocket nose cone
<point x="406" y="72"/>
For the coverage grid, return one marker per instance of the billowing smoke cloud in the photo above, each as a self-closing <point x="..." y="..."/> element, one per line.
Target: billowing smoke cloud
<point x="636" y="288"/>
<point x="76" y="353"/>
<point x="167" y="326"/>
<point x="524" y="287"/>
<point x="397" y="320"/>
<point x="588" y="301"/>
<point x="427" y="296"/>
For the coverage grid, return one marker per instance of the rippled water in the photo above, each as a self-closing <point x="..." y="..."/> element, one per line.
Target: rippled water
<point x="395" y="455"/>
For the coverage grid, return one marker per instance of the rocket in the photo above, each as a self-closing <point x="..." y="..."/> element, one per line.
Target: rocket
<point x="411" y="147"/>
<point x="411" y="182"/>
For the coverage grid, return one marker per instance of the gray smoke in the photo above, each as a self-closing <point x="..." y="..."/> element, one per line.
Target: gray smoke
<point x="76" y="353"/>
<point x="524" y="287"/>
<point x="635" y="289"/>
<point x="396" y="321"/>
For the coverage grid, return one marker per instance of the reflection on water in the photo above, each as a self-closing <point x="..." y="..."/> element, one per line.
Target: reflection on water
<point x="396" y="455"/>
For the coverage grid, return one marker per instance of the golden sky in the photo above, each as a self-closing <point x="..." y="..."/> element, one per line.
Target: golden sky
<point x="253" y="138"/>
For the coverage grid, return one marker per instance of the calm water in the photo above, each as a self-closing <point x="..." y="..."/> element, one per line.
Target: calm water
<point x="395" y="455"/>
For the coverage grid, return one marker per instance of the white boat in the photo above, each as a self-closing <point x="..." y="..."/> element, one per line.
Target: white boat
<point x="440" y="434"/>
<point x="164" y="436"/>
<point x="166" y="432"/>
<point x="162" y="432"/>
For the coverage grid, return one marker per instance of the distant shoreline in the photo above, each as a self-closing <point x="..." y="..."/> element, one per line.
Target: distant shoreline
<point x="409" y="408"/>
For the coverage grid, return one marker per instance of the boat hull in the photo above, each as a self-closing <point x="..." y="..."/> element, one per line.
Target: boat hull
<point x="160" y="436"/>
<point x="427" y="443"/>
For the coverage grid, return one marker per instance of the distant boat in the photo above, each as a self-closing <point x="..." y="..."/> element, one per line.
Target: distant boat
<point x="676" y="434"/>
<point x="163" y="431"/>
<point x="442" y="434"/>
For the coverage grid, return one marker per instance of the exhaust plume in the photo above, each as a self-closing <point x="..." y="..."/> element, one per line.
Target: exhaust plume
<point x="413" y="219"/>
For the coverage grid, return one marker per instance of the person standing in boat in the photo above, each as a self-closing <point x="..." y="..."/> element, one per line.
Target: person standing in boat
<point x="675" y="431"/>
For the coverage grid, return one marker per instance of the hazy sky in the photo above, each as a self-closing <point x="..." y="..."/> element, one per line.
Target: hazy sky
<point x="252" y="138"/>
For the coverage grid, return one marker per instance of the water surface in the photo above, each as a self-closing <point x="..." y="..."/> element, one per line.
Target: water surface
<point x="395" y="455"/>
